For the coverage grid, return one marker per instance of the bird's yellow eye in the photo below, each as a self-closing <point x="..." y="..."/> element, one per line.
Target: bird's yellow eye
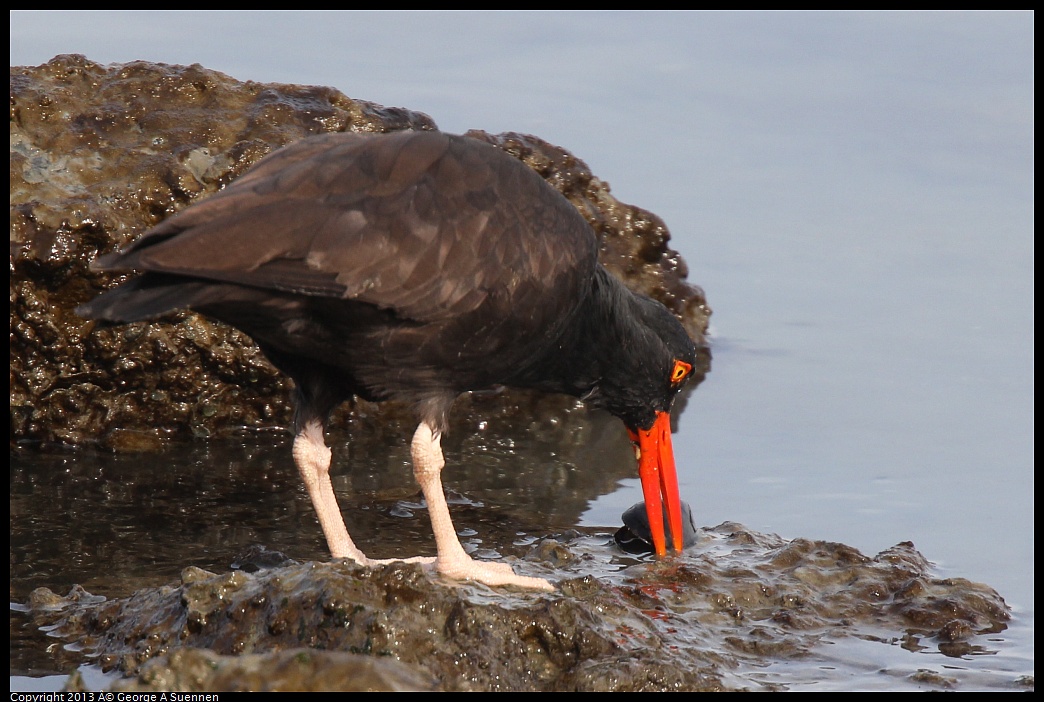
<point x="680" y="371"/>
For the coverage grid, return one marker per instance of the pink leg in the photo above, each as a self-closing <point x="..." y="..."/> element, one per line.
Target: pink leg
<point x="452" y="560"/>
<point x="312" y="457"/>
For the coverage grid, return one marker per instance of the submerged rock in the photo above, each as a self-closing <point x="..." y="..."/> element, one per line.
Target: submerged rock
<point x="701" y="621"/>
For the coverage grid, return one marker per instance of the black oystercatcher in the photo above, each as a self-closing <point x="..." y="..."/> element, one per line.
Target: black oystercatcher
<point x="415" y="266"/>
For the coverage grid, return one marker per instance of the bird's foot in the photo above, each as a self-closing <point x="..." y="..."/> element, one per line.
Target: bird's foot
<point x="464" y="567"/>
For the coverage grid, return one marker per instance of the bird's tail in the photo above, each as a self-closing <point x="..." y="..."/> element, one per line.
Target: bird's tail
<point x="146" y="297"/>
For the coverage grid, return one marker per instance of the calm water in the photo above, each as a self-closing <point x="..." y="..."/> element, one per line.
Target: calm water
<point x="854" y="191"/>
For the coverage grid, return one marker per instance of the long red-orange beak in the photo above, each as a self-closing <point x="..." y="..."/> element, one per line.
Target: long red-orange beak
<point x="659" y="481"/>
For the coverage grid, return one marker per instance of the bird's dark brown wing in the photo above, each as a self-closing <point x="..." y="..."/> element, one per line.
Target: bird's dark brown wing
<point x="427" y="225"/>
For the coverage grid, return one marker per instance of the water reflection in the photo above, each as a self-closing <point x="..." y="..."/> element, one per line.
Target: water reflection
<point x="114" y="523"/>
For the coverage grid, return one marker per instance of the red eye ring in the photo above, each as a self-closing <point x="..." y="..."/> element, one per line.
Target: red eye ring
<point x="680" y="371"/>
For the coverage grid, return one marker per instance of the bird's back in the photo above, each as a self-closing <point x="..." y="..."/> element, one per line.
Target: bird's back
<point x="409" y="261"/>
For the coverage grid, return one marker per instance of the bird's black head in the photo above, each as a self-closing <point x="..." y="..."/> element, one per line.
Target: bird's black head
<point x="645" y="358"/>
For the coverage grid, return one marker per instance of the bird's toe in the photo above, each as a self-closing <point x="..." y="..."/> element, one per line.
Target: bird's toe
<point x="489" y="573"/>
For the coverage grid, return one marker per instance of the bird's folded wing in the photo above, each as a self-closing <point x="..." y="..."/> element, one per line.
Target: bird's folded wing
<point x="422" y="223"/>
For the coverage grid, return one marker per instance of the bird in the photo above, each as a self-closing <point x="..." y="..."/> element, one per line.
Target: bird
<point x="415" y="266"/>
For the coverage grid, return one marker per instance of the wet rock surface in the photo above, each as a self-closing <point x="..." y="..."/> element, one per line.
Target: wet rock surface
<point x="101" y="153"/>
<point x="700" y="621"/>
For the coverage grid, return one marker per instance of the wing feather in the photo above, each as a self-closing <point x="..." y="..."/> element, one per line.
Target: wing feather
<point x="428" y="225"/>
